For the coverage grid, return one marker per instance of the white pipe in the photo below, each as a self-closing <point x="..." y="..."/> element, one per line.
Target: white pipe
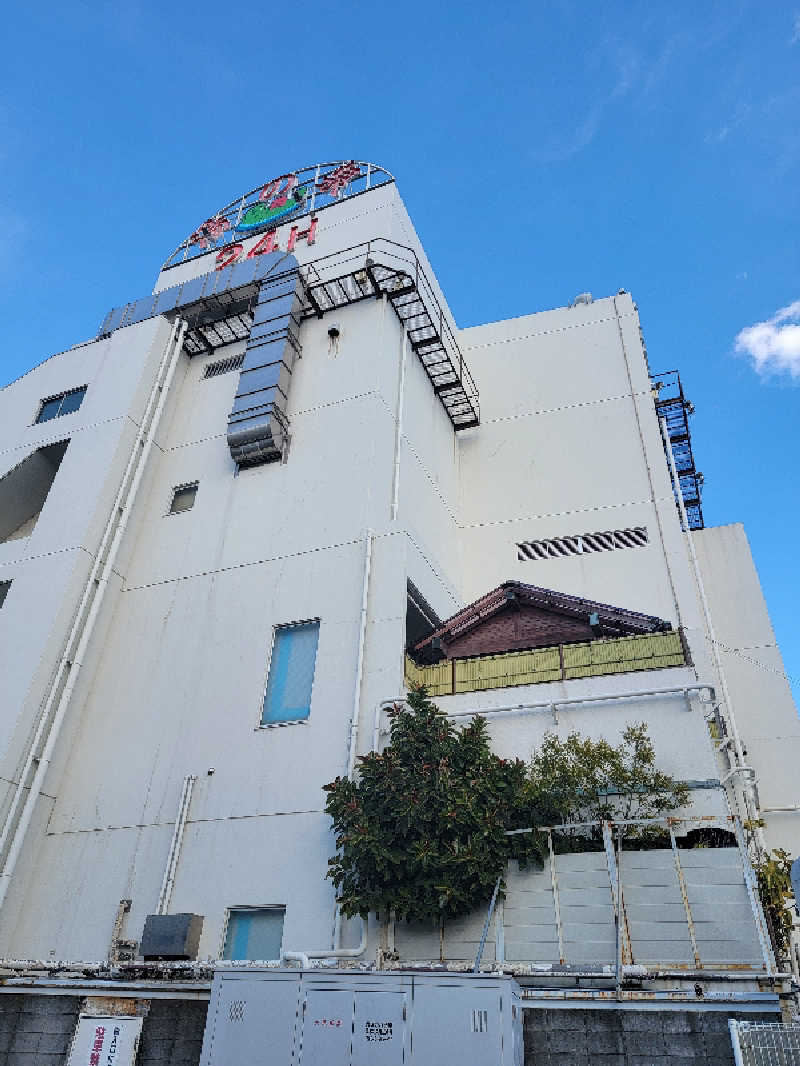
<point x="376" y="724"/>
<point x="352" y="753"/>
<point x="141" y="452"/>
<point x="548" y="705"/>
<point x="749" y="791"/>
<point x="175" y="845"/>
<point x="648" y="468"/>
<point x="398" y="437"/>
<point x="362" y="636"/>
<point x="344" y="953"/>
<point x="89" y="592"/>
<point x="733" y="1026"/>
<point x="297" y="956"/>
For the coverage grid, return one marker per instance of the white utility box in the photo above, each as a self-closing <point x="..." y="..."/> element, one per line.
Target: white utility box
<point x="352" y="1018"/>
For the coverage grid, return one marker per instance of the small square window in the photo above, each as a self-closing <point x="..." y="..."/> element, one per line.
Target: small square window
<point x="291" y="674"/>
<point x="63" y="404"/>
<point x="254" y="933"/>
<point x="183" y="498"/>
<point x="4" y="587"/>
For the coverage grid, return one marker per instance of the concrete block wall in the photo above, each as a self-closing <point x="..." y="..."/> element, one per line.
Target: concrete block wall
<point x="608" y="1037"/>
<point x="37" y="1030"/>
<point x="172" y="1034"/>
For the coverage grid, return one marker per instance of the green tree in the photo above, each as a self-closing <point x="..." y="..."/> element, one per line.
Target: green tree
<point x="421" y="832"/>
<point x="580" y="780"/>
<point x="773" y="874"/>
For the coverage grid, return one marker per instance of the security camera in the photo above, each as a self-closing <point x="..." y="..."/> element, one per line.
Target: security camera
<point x="334" y="331"/>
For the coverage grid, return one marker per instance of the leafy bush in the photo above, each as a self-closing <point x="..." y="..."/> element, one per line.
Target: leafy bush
<point x="422" y="830"/>
<point x="579" y="780"/>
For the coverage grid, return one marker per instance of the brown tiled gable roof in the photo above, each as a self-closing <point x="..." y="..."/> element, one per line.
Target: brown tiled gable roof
<point x="593" y="619"/>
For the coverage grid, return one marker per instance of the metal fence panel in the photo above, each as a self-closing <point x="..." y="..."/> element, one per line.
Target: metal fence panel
<point x="765" y="1043"/>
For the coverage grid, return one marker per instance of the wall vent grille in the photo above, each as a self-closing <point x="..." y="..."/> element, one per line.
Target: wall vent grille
<point x="558" y="547"/>
<point x="224" y="366"/>
<point x="480" y="1021"/>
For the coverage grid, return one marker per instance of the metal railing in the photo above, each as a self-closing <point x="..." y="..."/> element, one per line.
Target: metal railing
<point x="383" y="267"/>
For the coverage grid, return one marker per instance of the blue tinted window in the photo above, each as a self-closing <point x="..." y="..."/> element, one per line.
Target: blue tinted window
<point x="291" y="674"/>
<point x="72" y="401"/>
<point x="64" y="404"/>
<point x="49" y="409"/>
<point x="254" y="934"/>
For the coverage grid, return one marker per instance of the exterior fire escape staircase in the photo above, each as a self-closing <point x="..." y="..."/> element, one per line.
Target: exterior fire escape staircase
<point x="383" y="268"/>
<point x="674" y="408"/>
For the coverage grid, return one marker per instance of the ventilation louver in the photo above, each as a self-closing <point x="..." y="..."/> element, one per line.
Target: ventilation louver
<point x="558" y="547"/>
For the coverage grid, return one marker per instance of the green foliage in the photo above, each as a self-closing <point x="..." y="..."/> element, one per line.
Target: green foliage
<point x="583" y="780"/>
<point x="773" y="874"/>
<point x="422" y="830"/>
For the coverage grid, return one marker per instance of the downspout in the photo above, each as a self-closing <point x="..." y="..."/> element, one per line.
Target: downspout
<point x="748" y="786"/>
<point x="648" y="468"/>
<point x="362" y="639"/>
<point x="338" y="952"/>
<point x="175" y="845"/>
<point x="94" y="593"/>
<point x="398" y="437"/>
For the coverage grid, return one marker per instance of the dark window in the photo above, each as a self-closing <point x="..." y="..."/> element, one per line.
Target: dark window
<point x="63" y="404"/>
<point x="24" y="489"/>
<point x="183" y="498"/>
<point x="4" y="587"/>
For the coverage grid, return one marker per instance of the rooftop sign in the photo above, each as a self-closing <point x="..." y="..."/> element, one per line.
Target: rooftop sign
<point x="289" y="196"/>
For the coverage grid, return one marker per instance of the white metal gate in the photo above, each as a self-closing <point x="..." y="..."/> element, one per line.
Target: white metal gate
<point x="765" y="1043"/>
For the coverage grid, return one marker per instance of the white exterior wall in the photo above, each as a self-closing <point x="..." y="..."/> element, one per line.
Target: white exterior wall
<point x="765" y="711"/>
<point x="174" y="680"/>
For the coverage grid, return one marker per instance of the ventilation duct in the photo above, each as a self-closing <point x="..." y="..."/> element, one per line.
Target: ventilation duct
<point x="257" y="424"/>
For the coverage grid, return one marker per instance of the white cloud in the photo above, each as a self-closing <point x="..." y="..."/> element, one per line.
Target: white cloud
<point x="796" y="30"/>
<point x="774" y="345"/>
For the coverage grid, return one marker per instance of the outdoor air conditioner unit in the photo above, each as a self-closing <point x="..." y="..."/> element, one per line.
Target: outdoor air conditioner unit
<point x="351" y="1018"/>
<point x="171" y="936"/>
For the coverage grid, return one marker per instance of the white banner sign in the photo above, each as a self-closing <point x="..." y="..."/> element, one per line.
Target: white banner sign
<point x="105" y="1041"/>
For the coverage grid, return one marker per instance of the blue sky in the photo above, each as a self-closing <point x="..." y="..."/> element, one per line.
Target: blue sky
<point x="542" y="150"/>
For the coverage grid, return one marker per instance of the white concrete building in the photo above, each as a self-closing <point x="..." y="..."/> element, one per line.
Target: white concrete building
<point x="202" y="618"/>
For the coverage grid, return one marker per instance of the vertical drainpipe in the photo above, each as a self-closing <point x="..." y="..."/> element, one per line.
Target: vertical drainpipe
<point x="398" y="437"/>
<point x="650" y="480"/>
<point x="748" y="790"/>
<point x="352" y="748"/>
<point x="362" y="638"/>
<point x="175" y="845"/>
<point x="97" y="584"/>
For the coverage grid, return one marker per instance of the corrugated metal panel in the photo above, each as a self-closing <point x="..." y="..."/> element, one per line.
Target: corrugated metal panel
<point x="725" y="931"/>
<point x="657" y="924"/>
<point x="566" y="914"/>
<point x="531" y="933"/>
<point x="419" y="941"/>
